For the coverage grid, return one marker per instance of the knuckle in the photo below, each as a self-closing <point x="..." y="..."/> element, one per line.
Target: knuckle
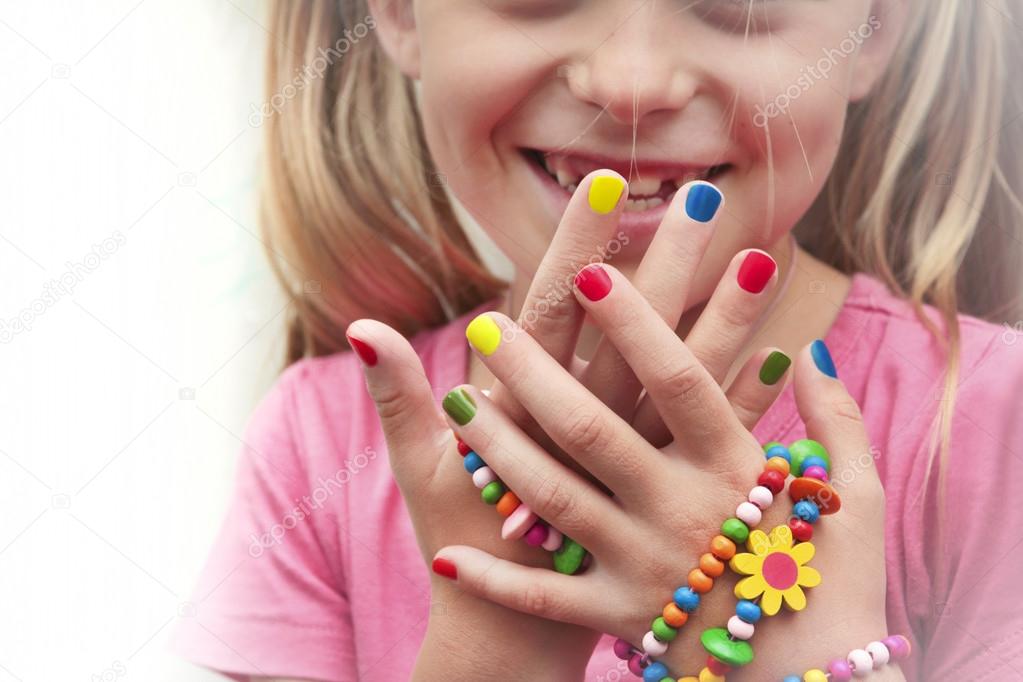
<point x="552" y="501"/>
<point x="585" y="431"/>
<point x="846" y="412"/>
<point x="537" y="599"/>
<point x="679" y="381"/>
<point x="393" y="404"/>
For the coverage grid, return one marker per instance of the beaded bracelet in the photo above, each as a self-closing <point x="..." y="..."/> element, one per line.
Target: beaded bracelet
<point x="859" y="662"/>
<point x="519" y="520"/>
<point x="728" y="647"/>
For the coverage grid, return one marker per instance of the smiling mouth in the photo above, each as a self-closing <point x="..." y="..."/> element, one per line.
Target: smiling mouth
<point x="648" y="187"/>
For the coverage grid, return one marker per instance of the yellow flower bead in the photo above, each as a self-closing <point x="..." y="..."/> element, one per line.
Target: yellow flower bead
<point x="815" y="675"/>
<point x="707" y="676"/>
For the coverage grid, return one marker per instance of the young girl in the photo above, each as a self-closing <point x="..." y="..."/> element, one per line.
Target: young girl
<point x="643" y="165"/>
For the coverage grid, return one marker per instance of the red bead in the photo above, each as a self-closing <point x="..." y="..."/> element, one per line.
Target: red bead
<point x="463" y="449"/>
<point x="717" y="667"/>
<point x="772" y="480"/>
<point x="801" y="530"/>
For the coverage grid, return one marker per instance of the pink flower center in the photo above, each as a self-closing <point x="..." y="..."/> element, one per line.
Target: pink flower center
<point x="780" y="570"/>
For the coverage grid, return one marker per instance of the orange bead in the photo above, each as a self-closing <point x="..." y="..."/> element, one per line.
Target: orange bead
<point x="711" y="565"/>
<point x="700" y="582"/>
<point x="674" y="616"/>
<point x="722" y="547"/>
<point x="777" y="464"/>
<point x="508" y="503"/>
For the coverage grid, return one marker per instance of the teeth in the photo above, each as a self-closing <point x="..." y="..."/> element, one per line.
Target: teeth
<point x="565" y="178"/>
<point x="654" y="201"/>
<point x="635" y="205"/>
<point x="644" y="187"/>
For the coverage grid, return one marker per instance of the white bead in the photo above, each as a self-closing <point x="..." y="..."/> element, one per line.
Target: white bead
<point x="761" y="496"/>
<point x="748" y="513"/>
<point x="861" y="662"/>
<point x="553" y="541"/>
<point x="518" y="522"/>
<point x="483" y="477"/>
<point x="739" y="628"/>
<point x="879" y="652"/>
<point x="653" y="646"/>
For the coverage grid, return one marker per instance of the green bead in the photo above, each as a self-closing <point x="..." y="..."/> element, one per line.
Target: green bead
<point x="802" y="449"/>
<point x="735" y="530"/>
<point x="662" y="630"/>
<point x="569" y="557"/>
<point x="768" y="446"/>
<point x="492" y="492"/>
<point x="735" y="653"/>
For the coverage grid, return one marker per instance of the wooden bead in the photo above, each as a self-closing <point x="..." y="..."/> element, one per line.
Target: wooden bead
<point x="711" y="565"/>
<point x="707" y="675"/>
<point x="801" y="530"/>
<point x="739" y="628"/>
<point x="861" y="662"/>
<point x="722" y="547"/>
<point x="820" y="493"/>
<point x="483" y="477"/>
<point x="463" y="449"/>
<point x="778" y="464"/>
<point x="772" y="480"/>
<point x="662" y="630"/>
<point x="815" y="675"/>
<point x="676" y="617"/>
<point x="717" y="667"/>
<point x="508" y="503"/>
<point x="748" y="513"/>
<point x="553" y="540"/>
<point x="761" y="496"/>
<point x="878" y="652"/>
<point x="492" y="492"/>
<point x="700" y="582"/>
<point x="735" y="530"/>
<point x="518" y="522"/>
<point x="804" y="448"/>
<point x="653" y="646"/>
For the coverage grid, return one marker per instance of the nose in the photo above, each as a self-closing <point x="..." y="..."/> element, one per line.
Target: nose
<point x="633" y="75"/>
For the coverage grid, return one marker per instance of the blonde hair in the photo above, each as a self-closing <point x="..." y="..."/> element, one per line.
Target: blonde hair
<point x="921" y="194"/>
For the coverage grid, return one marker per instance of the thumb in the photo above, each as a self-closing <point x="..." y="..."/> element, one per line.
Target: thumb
<point x="395" y="379"/>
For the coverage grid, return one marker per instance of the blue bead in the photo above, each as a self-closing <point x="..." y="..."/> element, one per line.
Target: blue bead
<point x="792" y="678"/>
<point x="813" y="460"/>
<point x="655" y="672"/>
<point x="472" y="462"/>
<point x="686" y="599"/>
<point x="807" y="510"/>
<point x="747" y="610"/>
<point x="779" y="451"/>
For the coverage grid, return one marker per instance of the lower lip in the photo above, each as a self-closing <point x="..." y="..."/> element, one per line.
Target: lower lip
<point x="637" y="225"/>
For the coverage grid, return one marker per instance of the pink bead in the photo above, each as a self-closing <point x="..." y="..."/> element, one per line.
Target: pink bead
<point x="861" y="662"/>
<point x="518" y="522"/>
<point x="840" y="671"/>
<point x="818" y="472"/>
<point x="761" y="496"/>
<point x="653" y="646"/>
<point x="636" y="665"/>
<point x="536" y="534"/>
<point x="739" y="628"/>
<point x="748" y="513"/>
<point x="898" y="647"/>
<point x="623" y="649"/>
<point x="483" y="477"/>
<point x="878" y="652"/>
<point x="553" y="541"/>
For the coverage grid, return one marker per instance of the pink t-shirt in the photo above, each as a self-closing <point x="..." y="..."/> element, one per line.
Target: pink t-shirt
<point x="316" y="573"/>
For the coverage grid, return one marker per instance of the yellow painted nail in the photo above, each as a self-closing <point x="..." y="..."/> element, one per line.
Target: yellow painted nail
<point x="484" y="334"/>
<point x="605" y="190"/>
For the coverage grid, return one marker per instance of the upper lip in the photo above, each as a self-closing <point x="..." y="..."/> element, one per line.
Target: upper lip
<point x="630" y="168"/>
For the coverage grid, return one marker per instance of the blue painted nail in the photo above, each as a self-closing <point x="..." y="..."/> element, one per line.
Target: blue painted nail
<point x="822" y="358"/>
<point x="702" y="202"/>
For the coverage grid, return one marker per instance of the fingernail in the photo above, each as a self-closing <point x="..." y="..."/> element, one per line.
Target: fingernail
<point x="605" y="190"/>
<point x="822" y="358"/>
<point x="363" y="350"/>
<point x="756" y="271"/>
<point x="774" y="368"/>
<point x="484" y="334"/>
<point x="445" y="568"/>
<point x="459" y="406"/>
<point x="702" y="202"/>
<point x="594" y="282"/>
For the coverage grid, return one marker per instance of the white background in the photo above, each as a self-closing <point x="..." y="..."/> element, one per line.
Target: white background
<point x="123" y="396"/>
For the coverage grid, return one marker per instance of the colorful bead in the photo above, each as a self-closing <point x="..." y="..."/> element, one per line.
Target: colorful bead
<point x="717" y="667"/>
<point x="823" y="495"/>
<point x="792" y="678"/>
<point x="739" y="628"/>
<point x="718" y="644"/>
<point x="707" y="675"/>
<point x="518" y="522"/>
<point x="686" y="599"/>
<point x="748" y="513"/>
<point x="653" y="646"/>
<point x="700" y="582"/>
<point x="674" y="616"/>
<point x="804" y="448"/>
<point x="748" y="611"/>
<point x="898" y="647"/>
<point x="807" y="511"/>
<point x="508" y="503"/>
<point x="879" y="653"/>
<point x="463" y="449"/>
<point x="493" y="492"/>
<point x="815" y="675"/>
<point x="622" y="649"/>
<point x="711" y="565"/>
<point x="861" y="662"/>
<point x="772" y="480"/>
<point x="662" y="630"/>
<point x="655" y="672"/>
<point x="483" y="477"/>
<point x="636" y="664"/>
<point x="812" y="461"/>
<point x="778" y="464"/>
<point x="820" y="473"/>
<point x="777" y="450"/>
<point x="472" y="462"/>
<point x="722" y="547"/>
<point x="554" y="538"/>
<point x="569" y="557"/>
<point x="761" y="496"/>
<point x="536" y="534"/>
<point x="735" y="530"/>
<point x="801" y="530"/>
<point x="840" y="670"/>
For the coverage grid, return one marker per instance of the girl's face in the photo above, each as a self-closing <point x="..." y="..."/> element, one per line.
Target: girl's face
<point x="521" y="98"/>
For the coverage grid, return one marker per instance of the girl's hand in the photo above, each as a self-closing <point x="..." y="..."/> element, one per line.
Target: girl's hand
<point x="668" y="503"/>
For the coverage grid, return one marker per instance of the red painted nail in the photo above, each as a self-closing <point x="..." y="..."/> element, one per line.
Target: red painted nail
<point x="594" y="282"/>
<point x="756" y="271"/>
<point x="445" y="568"/>
<point x="363" y="350"/>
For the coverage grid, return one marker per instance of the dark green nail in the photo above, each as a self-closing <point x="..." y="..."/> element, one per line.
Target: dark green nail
<point x="459" y="406"/>
<point x="774" y="367"/>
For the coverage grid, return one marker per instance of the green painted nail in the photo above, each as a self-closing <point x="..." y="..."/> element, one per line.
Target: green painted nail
<point x="459" y="406"/>
<point x="774" y="367"/>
